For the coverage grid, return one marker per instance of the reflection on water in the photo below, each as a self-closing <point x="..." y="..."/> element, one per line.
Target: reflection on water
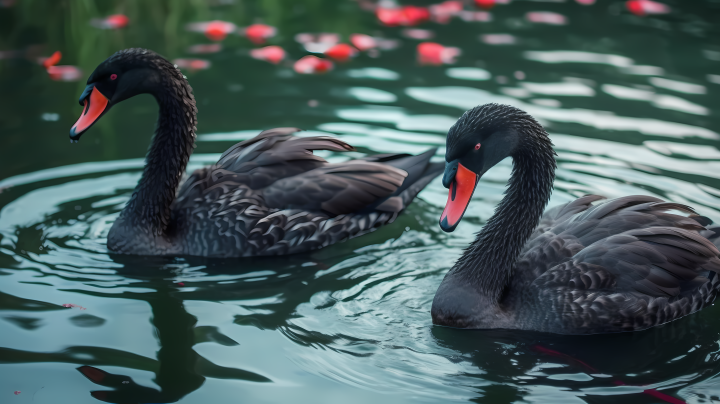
<point x="629" y="102"/>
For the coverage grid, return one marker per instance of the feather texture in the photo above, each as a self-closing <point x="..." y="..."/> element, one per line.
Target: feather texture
<point x="268" y="195"/>
<point x="588" y="266"/>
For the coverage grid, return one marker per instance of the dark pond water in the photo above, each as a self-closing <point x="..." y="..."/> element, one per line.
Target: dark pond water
<point x="631" y="105"/>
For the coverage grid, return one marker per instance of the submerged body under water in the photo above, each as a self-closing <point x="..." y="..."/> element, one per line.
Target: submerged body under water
<point x="627" y="100"/>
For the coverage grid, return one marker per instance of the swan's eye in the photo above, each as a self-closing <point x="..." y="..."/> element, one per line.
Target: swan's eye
<point x="477" y="146"/>
<point x="113" y="76"/>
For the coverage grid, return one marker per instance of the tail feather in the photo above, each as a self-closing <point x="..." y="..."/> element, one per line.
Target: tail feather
<point x="420" y="172"/>
<point x="713" y="234"/>
<point x="432" y="171"/>
<point x="415" y="166"/>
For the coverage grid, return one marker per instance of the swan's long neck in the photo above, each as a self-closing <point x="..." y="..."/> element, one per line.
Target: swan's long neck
<point x="167" y="158"/>
<point x="489" y="261"/>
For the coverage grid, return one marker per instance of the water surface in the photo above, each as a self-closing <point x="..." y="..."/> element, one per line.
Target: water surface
<point x="630" y="103"/>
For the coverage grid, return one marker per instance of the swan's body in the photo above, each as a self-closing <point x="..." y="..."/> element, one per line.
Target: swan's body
<point x="269" y="195"/>
<point x="621" y="265"/>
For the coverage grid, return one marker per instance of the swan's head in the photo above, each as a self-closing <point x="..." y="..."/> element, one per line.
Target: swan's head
<point x="123" y="75"/>
<point x="481" y="138"/>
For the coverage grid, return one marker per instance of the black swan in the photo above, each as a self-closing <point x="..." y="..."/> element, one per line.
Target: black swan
<point x="581" y="268"/>
<point x="269" y="195"/>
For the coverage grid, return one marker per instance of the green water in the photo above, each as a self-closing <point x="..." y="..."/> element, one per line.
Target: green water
<point x="630" y="103"/>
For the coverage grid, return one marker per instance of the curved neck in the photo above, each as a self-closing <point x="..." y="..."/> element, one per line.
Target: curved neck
<point x="167" y="158"/>
<point x="489" y="261"/>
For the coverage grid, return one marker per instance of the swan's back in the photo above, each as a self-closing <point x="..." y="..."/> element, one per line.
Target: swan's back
<point x="623" y="265"/>
<point x="271" y="195"/>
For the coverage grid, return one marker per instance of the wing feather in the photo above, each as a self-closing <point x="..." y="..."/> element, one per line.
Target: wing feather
<point x="258" y="162"/>
<point x="337" y="188"/>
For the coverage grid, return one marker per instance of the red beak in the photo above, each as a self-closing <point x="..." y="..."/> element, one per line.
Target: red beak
<point x="461" y="191"/>
<point x="95" y="105"/>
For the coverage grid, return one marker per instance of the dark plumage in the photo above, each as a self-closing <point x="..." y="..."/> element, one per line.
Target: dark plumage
<point x="581" y="268"/>
<point x="268" y="195"/>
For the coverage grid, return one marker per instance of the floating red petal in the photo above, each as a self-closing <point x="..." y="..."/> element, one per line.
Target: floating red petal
<point x="443" y="12"/>
<point x="431" y="53"/>
<point x="416" y="15"/>
<point x="312" y="65"/>
<point x="341" y="52"/>
<point x="486" y="4"/>
<point x="407" y="15"/>
<point x="216" y="30"/>
<point x="272" y="54"/>
<point x="363" y="42"/>
<point x="391" y="17"/>
<point x="259" y="33"/>
<point x="117" y="21"/>
<point x="645" y="7"/>
<point x="52" y="60"/>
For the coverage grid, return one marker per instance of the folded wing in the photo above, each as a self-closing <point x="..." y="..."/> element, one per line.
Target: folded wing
<point x="258" y="162"/>
<point x="336" y="188"/>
